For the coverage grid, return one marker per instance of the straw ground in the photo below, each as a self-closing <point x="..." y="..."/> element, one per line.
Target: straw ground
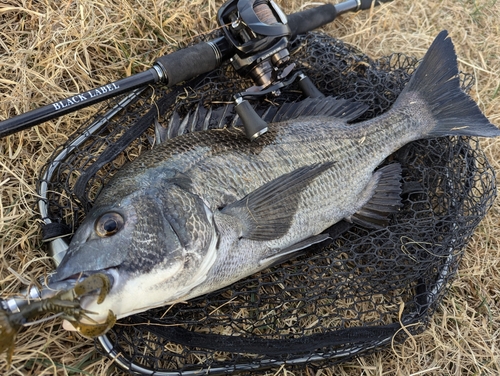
<point x="50" y="50"/>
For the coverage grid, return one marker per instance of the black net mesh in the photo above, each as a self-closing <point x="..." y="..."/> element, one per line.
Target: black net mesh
<point x="364" y="290"/>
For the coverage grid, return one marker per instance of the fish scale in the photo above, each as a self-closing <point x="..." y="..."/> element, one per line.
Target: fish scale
<point x="295" y="149"/>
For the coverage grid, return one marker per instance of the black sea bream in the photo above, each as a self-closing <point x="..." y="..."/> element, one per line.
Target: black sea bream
<point x="206" y="209"/>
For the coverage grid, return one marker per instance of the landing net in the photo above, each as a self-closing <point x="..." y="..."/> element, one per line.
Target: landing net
<point x="358" y="294"/>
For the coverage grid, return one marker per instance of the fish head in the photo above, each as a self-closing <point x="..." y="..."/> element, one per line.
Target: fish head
<point x="154" y="245"/>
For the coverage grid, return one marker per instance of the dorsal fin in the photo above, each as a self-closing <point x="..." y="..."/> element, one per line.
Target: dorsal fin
<point x="218" y="117"/>
<point x="329" y="106"/>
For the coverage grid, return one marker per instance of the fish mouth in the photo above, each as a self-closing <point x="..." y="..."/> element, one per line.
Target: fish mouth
<point x="107" y="276"/>
<point x="86" y="290"/>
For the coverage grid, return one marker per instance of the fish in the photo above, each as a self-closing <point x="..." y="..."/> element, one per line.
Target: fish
<point x="206" y="209"/>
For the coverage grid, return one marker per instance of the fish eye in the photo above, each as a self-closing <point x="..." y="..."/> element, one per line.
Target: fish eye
<point x="108" y="224"/>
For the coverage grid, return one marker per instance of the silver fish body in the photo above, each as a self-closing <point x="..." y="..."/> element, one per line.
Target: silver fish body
<point x="206" y="209"/>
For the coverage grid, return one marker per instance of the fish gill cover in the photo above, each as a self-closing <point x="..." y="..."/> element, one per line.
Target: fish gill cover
<point x="359" y="293"/>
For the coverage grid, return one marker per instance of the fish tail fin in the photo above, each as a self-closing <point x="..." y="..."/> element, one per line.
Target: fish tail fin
<point x="436" y="82"/>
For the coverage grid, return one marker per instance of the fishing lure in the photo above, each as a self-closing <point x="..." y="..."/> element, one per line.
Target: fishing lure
<point x="64" y="304"/>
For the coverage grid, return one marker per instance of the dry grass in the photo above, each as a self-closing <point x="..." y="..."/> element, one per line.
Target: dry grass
<point x="50" y="50"/>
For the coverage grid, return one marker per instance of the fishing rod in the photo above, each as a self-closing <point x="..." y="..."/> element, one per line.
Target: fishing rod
<point x="256" y="36"/>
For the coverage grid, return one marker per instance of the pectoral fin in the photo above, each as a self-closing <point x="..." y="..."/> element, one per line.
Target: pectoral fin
<point x="267" y="212"/>
<point x="384" y="198"/>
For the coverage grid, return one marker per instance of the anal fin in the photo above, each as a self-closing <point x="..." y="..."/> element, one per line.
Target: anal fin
<point x="384" y="191"/>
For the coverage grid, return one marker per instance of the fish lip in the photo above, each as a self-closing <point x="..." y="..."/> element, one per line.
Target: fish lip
<point x="72" y="280"/>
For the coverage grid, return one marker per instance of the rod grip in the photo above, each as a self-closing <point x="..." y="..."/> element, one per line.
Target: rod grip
<point x="189" y="62"/>
<point x="310" y="19"/>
